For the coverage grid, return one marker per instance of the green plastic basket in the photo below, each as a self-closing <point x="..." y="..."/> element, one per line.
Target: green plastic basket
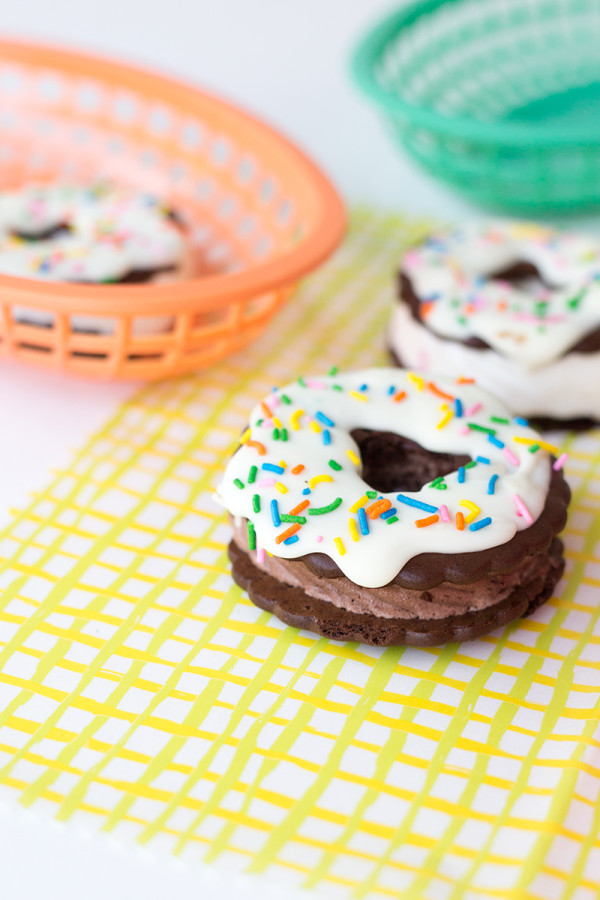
<point x="501" y="98"/>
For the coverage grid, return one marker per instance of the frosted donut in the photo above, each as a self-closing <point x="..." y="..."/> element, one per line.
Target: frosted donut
<point x="99" y="234"/>
<point x="515" y="305"/>
<point x="308" y="520"/>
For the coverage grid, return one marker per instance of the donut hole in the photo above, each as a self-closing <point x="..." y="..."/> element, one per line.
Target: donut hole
<point x="526" y="277"/>
<point x="392" y="462"/>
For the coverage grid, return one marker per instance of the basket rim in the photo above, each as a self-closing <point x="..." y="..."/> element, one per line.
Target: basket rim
<point x="368" y="51"/>
<point x="204" y="291"/>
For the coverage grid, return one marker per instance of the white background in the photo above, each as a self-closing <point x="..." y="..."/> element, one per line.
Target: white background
<point x="286" y="60"/>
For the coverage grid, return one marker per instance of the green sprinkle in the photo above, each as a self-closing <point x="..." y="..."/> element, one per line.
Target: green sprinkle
<point x="333" y="370"/>
<point x="541" y="308"/>
<point x="391" y="519"/>
<point x="285" y="518"/>
<point x="285" y="399"/>
<point x="334" y="465"/>
<point x="256" y="503"/>
<point x="371" y="494"/>
<point x="252" y="474"/>
<point x="534" y="448"/>
<point x="462" y="320"/>
<point x="276" y="434"/>
<point x="453" y="303"/>
<point x="470" y="465"/>
<point x="574" y="302"/>
<point x="437" y="481"/>
<point x="283" y="434"/>
<point x="238" y="483"/>
<point x="337" y="387"/>
<point x="301" y="382"/>
<point x="474" y="427"/>
<point x="499" y="420"/>
<point x="319" y="510"/>
<point x="259" y="422"/>
<point x="251" y="537"/>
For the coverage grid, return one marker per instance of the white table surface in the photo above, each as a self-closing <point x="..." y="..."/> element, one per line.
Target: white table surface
<point x="288" y="62"/>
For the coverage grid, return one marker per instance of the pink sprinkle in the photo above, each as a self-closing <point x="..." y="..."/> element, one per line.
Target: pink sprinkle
<point x="266" y="482"/>
<point x="313" y="383"/>
<point x="260" y="554"/>
<point x="411" y="258"/>
<point x="559" y="463"/>
<point x="444" y="514"/>
<point x="510" y="456"/>
<point x="522" y="509"/>
<point x="319" y="538"/>
<point x="423" y="360"/>
<point x="473" y="409"/>
<point x="275" y="401"/>
<point x="464" y="430"/>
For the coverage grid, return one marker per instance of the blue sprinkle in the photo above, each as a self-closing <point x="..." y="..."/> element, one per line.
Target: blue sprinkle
<point x="271" y="467"/>
<point x="294" y="538"/>
<point x="494" y="440"/>
<point x="484" y="460"/>
<point x="326" y="437"/>
<point x="362" y="521"/>
<point x="324" y="420"/>
<point x="458" y="408"/>
<point x="426" y="507"/>
<point x="363" y="387"/>
<point x="275" y="514"/>
<point x="521" y="421"/>
<point x="391" y="389"/>
<point x="461" y="475"/>
<point x="435" y="296"/>
<point x="492" y="484"/>
<point x="482" y="523"/>
<point x="306" y="491"/>
<point x="388" y="513"/>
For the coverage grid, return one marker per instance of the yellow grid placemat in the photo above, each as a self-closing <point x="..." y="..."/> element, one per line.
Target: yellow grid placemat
<point x="141" y="691"/>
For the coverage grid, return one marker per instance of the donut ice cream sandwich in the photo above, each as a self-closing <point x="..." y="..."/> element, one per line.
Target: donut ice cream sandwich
<point x="391" y="507"/>
<point x="515" y="305"/>
<point x="96" y="234"/>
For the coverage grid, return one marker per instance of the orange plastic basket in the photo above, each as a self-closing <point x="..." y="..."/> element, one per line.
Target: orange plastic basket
<point x="259" y="214"/>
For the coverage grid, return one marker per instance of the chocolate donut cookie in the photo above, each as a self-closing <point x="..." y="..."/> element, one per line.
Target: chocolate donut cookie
<point x="385" y="507"/>
<point x="515" y="305"/>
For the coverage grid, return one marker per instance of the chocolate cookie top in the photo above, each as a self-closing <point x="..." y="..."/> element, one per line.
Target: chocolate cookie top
<point x="89" y="234"/>
<point x="299" y="474"/>
<point x="530" y="293"/>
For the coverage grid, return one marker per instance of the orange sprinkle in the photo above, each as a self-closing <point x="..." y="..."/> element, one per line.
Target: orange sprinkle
<point x="266" y="409"/>
<point x="399" y="396"/>
<point x="426" y="309"/>
<point x="470" y="308"/>
<point x="297" y="469"/>
<point x="287" y="533"/>
<point x="298" y="509"/>
<point x="460" y="521"/>
<point x="380" y="506"/>
<point x="439" y="393"/>
<point x="501" y="305"/>
<point x="430" y="520"/>
<point x="260" y="447"/>
<point x="463" y="380"/>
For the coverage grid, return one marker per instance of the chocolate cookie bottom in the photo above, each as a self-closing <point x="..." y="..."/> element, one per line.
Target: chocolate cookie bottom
<point x="543" y="423"/>
<point x="295" y="607"/>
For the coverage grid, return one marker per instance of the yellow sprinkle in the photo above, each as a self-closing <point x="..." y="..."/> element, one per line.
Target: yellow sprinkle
<point x="543" y="444"/>
<point x="318" y="479"/>
<point x="294" y="423"/>
<point x="245" y="437"/>
<point x="340" y="546"/>
<point x="416" y="379"/>
<point x="443" y="422"/>
<point x="353" y="457"/>
<point x="316" y="427"/>
<point x="356" y="506"/>
<point x="475" y="510"/>
<point x="277" y="422"/>
<point x="282" y="464"/>
<point x="353" y="529"/>
<point x="358" y="396"/>
<point x="281" y="487"/>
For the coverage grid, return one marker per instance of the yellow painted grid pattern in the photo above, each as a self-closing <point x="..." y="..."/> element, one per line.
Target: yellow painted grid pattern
<point x="140" y="689"/>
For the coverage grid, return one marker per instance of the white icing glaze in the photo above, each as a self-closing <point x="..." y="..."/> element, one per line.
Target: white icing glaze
<point x="533" y="326"/>
<point x="563" y="389"/>
<point x="375" y="559"/>
<point x="113" y="231"/>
